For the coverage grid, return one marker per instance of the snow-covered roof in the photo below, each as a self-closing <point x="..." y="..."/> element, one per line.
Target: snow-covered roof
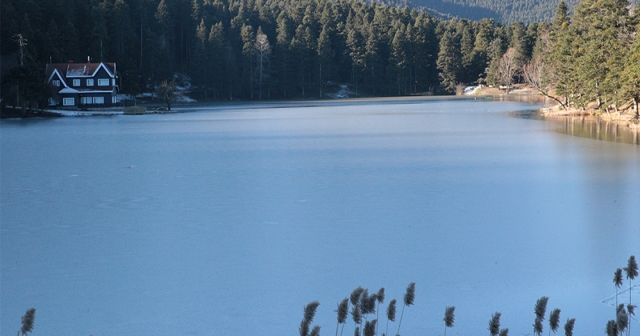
<point x="80" y="70"/>
<point x="68" y="90"/>
<point x="56" y="72"/>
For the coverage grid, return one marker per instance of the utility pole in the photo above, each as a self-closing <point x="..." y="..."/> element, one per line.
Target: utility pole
<point x="22" y="42"/>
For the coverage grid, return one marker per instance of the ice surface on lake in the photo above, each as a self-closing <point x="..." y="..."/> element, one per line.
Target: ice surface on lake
<point x="228" y="222"/>
<point x="623" y="296"/>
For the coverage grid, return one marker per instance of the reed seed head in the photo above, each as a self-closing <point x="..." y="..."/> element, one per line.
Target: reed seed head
<point x="631" y="309"/>
<point x="356" y="332"/>
<point x="554" y="320"/>
<point x="504" y="332"/>
<point x="369" y="304"/>
<point x="364" y="300"/>
<point x="494" y="324"/>
<point x="343" y="310"/>
<point x="541" y="308"/>
<point x="568" y="327"/>
<point x="304" y="328"/>
<point x="355" y="295"/>
<point x="356" y="314"/>
<point x="391" y="311"/>
<point x="28" y="320"/>
<point x="612" y="328"/>
<point x="617" y="277"/>
<point x="622" y="319"/>
<point x="410" y="295"/>
<point x="537" y="326"/>
<point x="632" y="268"/>
<point x="449" y="317"/>
<point x="381" y="295"/>
<point x="315" y="331"/>
<point x="370" y="328"/>
<point x="310" y="311"/>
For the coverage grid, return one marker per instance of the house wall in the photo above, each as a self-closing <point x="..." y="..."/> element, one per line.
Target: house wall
<point x="85" y="100"/>
<point x="91" y="83"/>
<point x="92" y="99"/>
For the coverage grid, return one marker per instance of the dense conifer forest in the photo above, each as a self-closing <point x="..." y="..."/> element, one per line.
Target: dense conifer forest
<point x="282" y="49"/>
<point x="506" y="11"/>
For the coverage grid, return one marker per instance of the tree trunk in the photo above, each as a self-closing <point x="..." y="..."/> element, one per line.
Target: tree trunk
<point x="260" y="92"/>
<point x="636" y="100"/>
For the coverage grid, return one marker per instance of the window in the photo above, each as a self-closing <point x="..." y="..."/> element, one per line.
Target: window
<point x="113" y="100"/>
<point x="98" y="100"/>
<point x="76" y="82"/>
<point x="86" y="100"/>
<point x="68" y="101"/>
<point x="89" y="82"/>
<point x="52" y="102"/>
<point x="56" y="82"/>
<point x="103" y="82"/>
<point x="114" y="82"/>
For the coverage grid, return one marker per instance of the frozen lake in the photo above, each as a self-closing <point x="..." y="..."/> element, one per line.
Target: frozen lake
<point x="229" y="222"/>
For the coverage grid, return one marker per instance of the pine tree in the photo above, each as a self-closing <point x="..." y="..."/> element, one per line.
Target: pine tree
<point x="263" y="51"/>
<point x="467" y="41"/>
<point x="356" y="51"/>
<point x="630" y="77"/>
<point x="282" y="55"/>
<point x="222" y="77"/>
<point x="493" y="71"/>
<point x="482" y="49"/>
<point x="248" y="41"/>
<point x="560" y="69"/>
<point x="449" y="61"/>
<point x="325" y="57"/>
<point x="602" y="35"/>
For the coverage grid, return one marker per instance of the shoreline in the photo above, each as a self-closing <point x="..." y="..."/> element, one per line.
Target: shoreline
<point x="160" y="108"/>
<point x="620" y="118"/>
<point x="624" y="118"/>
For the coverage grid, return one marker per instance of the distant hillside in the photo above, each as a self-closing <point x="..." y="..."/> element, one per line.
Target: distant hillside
<point x="504" y="11"/>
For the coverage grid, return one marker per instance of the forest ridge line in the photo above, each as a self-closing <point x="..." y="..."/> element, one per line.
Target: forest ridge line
<point x="244" y="49"/>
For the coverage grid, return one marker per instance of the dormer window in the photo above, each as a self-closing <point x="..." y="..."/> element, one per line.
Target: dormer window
<point x="76" y="82"/>
<point x="103" y="82"/>
<point x="89" y="82"/>
<point x="56" y="82"/>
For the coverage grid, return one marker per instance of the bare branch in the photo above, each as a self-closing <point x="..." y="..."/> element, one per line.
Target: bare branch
<point x="534" y="77"/>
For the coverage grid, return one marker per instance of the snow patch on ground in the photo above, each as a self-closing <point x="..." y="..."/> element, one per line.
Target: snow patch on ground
<point x="344" y="92"/>
<point x="122" y="97"/>
<point x="69" y="113"/>
<point x="522" y="91"/>
<point x="471" y="90"/>
<point x="185" y="99"/>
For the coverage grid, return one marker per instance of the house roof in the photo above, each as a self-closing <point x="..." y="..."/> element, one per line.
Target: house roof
<point x="79" y="70"/>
